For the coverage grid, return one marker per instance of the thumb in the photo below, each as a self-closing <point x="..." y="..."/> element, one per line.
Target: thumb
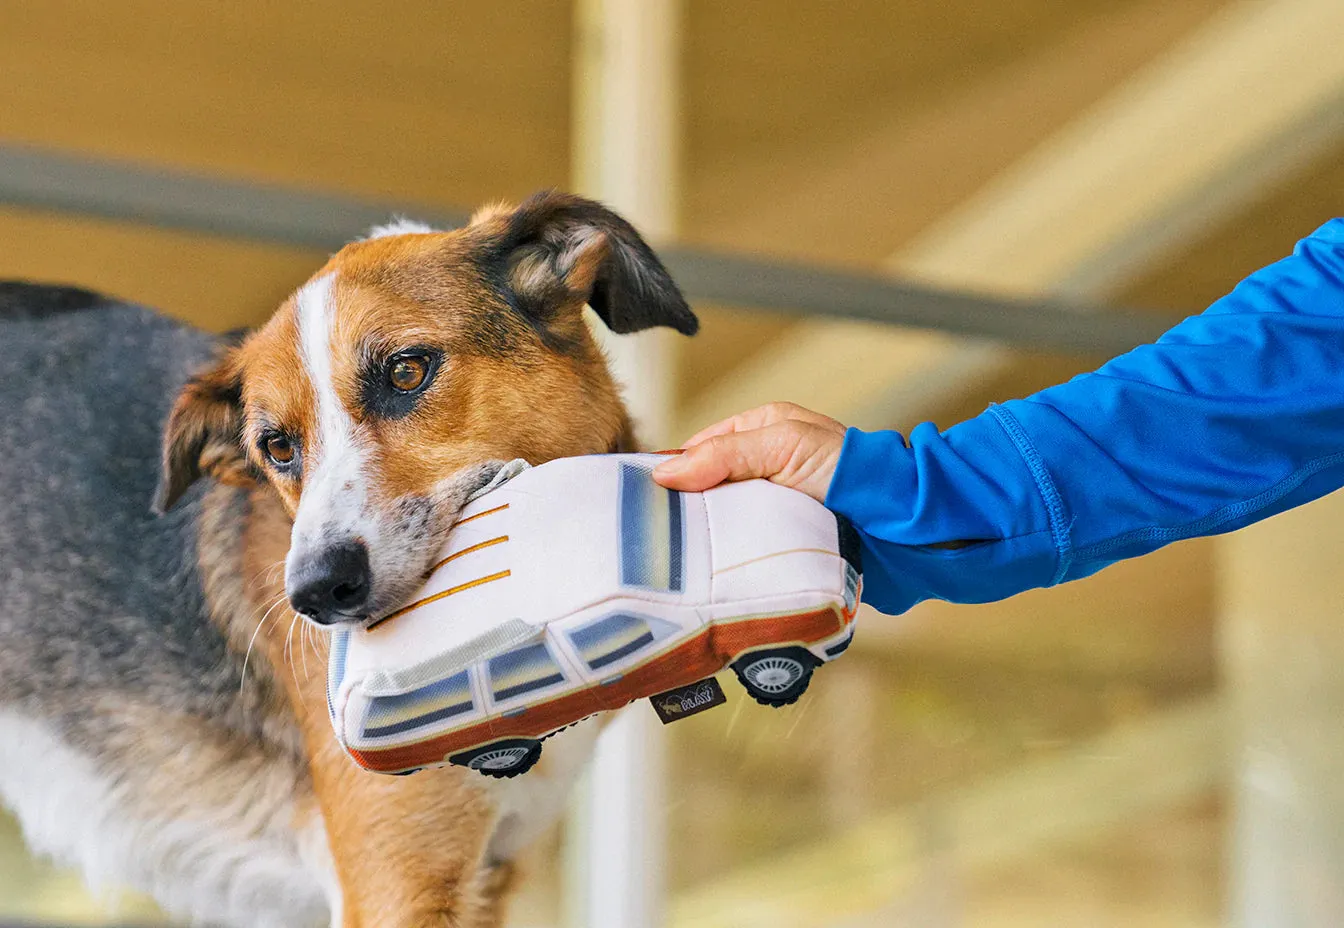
<point x="734" y="456"/>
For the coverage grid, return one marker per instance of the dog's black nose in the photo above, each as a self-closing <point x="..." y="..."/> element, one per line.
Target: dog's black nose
<point x="332" y="585"/>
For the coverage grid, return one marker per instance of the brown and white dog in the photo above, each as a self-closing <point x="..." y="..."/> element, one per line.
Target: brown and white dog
<point x="158" y="725"/>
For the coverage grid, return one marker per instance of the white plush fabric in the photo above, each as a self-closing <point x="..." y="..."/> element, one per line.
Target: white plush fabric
<point x="577" y="586"/>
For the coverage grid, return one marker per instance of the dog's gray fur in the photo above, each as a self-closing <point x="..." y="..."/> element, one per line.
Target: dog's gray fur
<point x="107" y="653"/>
<point x="98" y="596"/>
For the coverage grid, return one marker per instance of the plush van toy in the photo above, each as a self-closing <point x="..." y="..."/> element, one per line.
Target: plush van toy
<point x="579" y="586"/>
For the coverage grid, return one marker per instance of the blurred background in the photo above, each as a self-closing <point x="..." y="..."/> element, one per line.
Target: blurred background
<point x="931" y="206"/>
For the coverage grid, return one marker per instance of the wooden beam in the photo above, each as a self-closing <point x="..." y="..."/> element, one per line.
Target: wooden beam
<point x="1122" y="775"/>
<point x="626" y="80"/>
<point x="1246" y="100"/>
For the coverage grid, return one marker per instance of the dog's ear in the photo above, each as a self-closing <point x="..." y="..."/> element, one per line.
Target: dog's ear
<point x="202" y="436"/>
<point x="559" y="251"/>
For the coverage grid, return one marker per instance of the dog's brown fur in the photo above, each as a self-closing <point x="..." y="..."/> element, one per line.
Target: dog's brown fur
<point x="407" y="851"/>
<point x="522" y="377"/>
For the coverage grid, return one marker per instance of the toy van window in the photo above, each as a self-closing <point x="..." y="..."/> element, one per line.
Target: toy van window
<point x="523" y="670"/>
<point x="851" y="587"/>
<point x="443" y="699"/>
<point x="606" y="640"/>
<point x="653" y="535"/>
<point x="338" y="650"/>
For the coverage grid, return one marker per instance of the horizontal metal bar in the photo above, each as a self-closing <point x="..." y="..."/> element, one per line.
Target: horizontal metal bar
<point x="820" y="292"/>
<point x="59" y="181"/>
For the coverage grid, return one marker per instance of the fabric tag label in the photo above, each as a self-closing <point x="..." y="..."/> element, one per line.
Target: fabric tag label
<point x="685" y="701"/>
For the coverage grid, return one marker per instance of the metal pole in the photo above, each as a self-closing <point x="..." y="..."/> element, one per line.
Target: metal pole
<point x="625" y="153"/>
<point x="1282" y="647"/>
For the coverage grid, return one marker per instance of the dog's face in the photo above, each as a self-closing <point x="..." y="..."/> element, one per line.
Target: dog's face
<point x="392" y="384"/>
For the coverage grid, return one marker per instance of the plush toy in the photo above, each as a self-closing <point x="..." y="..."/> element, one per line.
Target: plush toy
<point x="579" y="586"/>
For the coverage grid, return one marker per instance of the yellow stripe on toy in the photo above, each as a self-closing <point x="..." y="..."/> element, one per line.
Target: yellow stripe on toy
<point x="437" y="596"/>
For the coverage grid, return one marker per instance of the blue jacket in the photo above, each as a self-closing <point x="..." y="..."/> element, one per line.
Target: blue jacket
<point x="1230" y="417"/>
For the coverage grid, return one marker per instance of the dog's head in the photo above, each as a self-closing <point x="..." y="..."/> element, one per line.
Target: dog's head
<point x="393" y="383"/>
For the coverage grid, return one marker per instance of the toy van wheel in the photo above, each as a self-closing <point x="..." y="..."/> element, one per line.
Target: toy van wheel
<point x="775" y="677"/>
<point x="502" y="759"/>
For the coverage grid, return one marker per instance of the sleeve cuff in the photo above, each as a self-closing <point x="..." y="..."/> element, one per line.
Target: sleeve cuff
<point x="970" y="484"/>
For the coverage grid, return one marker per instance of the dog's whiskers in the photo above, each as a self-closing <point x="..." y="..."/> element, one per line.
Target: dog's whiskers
<point x="303" y="649"/>
<point x="268" y="573"/>
<point x="289" y="650"/>
<point x="251" y="641"/>
<point x="315" y="639"/>
<point x="266" y="604"/>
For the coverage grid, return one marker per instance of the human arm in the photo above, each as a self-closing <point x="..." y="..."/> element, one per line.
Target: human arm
<point x="1230" y="417"/>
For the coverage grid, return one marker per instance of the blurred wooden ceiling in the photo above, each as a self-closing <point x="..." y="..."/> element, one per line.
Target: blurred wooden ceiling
<point x="810" y="131"/>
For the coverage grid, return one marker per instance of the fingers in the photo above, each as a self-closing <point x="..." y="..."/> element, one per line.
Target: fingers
<point x="790" y="452"/>
<point x="763" y="416"/>
<point x="731" y="456"/>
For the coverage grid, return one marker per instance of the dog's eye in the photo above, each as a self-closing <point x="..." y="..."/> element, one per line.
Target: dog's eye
<point x="279" y="449"/>
<point x="393" y="385"/>
<point x="408" y="372"/>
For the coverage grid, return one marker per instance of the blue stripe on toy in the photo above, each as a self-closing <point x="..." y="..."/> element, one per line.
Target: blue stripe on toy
<point x="338" y="648"/>
<point x="611" y="638"/>
<point x="522" y="671"/>
<point x="676" y="540"/>
<point x="443" y="699"/>
<point x="606" y="640"/>
<point x="622" y="651"/>
<point x="652" y="532"/>
<point x="634" y="567"/>
<point x="509" y="692"/>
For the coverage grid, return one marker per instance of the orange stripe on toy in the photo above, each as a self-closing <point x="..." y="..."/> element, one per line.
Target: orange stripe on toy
<point x="480" y="515"/>
<point x="766" y="557"/>
<point x="476" y="547"/>
<point x="440" y="595"/>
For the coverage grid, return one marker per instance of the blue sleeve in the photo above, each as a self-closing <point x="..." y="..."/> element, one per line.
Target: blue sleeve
<point x="1230" y="417"/>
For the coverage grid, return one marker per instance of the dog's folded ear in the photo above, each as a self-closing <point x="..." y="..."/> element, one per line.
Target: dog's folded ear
<point x="203" y="434"/>
<point x="558" y="251"/>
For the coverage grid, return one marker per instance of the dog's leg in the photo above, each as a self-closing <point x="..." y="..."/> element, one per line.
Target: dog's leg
<point x="407" y="851"/>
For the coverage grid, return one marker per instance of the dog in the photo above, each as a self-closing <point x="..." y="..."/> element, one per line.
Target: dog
<point x="163" y="723"/>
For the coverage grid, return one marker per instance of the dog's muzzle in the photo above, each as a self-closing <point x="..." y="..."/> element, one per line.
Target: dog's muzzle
<point x="332" y="584"/>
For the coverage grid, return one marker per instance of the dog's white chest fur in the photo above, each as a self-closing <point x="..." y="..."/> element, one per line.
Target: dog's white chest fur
<point x="527" y="805"/>
<point x="243" y="866"/>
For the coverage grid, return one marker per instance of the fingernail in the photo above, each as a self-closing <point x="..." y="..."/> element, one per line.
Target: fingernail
<point x="670" y="466"/>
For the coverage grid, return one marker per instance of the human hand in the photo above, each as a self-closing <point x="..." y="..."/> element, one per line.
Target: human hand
<point x="782" y="442"/>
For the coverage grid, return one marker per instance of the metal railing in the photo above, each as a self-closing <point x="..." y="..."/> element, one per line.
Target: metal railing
<point x="67" y="183"/>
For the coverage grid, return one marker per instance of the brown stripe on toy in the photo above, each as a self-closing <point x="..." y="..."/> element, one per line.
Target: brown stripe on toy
<point x="766" y="557"/>
<point x="476" y="547"/>
<point x="440" y="595"/>
<point x="480" y="515"/>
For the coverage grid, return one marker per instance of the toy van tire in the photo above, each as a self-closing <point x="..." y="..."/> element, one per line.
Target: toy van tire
<point x="775" y="676"/>
<point x="502" y="759"/>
